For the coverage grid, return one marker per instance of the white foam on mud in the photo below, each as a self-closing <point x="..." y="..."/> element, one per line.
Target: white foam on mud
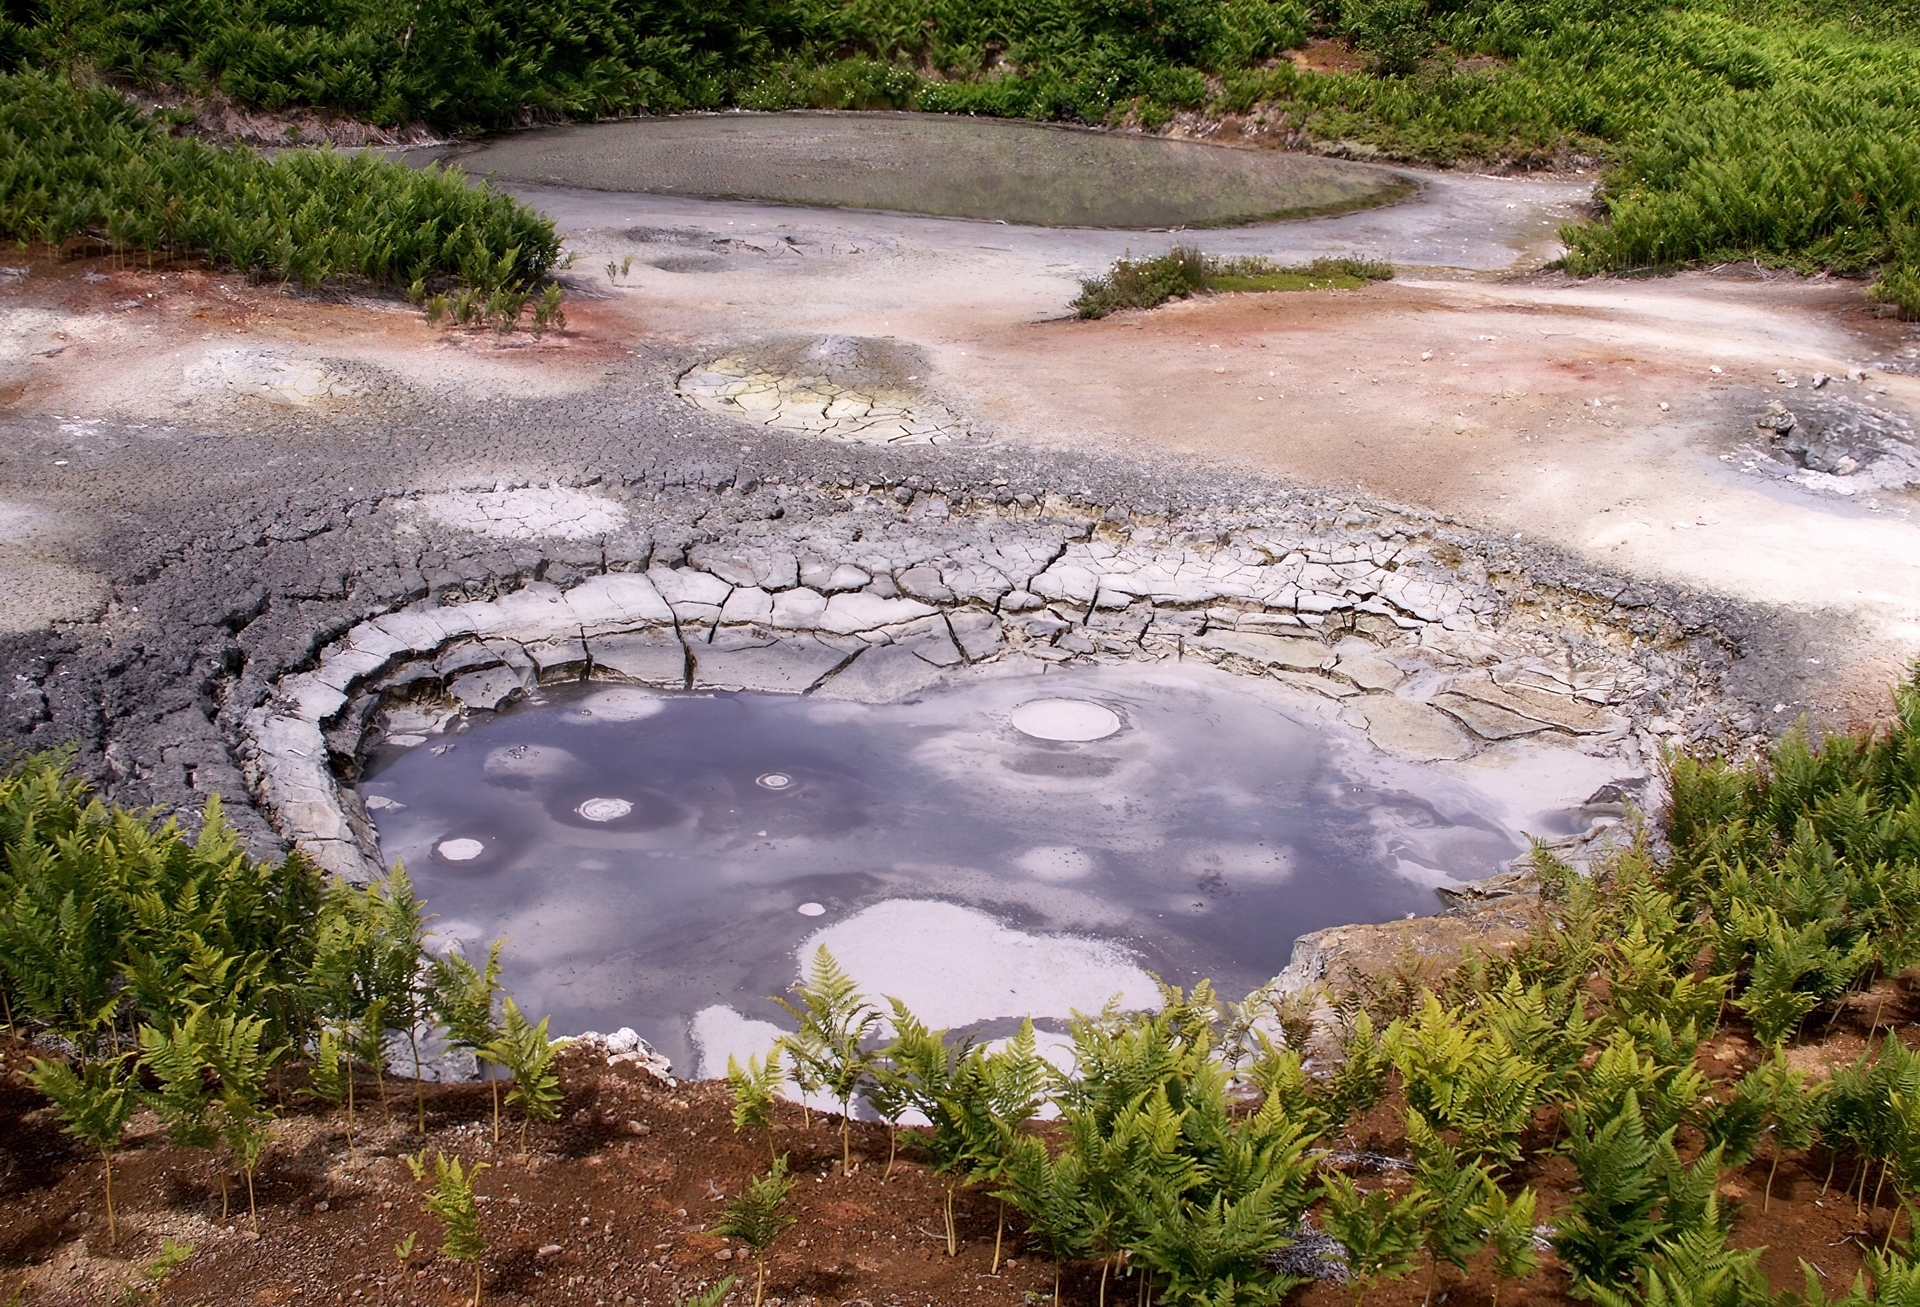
<point x="1065" y="719"/>
<point x="604" y="809"/>
<point x="461" y="850"/>
<point x="954" y="966"/>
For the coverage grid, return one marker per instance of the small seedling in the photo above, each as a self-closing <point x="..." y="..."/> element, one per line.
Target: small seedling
<point x="755" y="1219"/>
<point x="712" y="1297"/>
<point x="451" y="1203"/>
<point x="172" y="1253"/>
<point x="403" y="1251"/>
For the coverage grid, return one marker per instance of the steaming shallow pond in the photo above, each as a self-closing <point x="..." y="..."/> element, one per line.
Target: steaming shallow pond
<point x="1017" y="172"/>
<point x="1012" y="846"/>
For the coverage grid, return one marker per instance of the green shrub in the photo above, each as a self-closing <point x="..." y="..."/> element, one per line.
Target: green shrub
<point x="85" y="165"/>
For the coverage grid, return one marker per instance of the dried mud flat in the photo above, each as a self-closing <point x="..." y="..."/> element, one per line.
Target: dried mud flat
<point x="612" y="1204"/>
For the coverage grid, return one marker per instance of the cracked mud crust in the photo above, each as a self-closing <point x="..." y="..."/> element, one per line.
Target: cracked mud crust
<point x="870" y="594"/>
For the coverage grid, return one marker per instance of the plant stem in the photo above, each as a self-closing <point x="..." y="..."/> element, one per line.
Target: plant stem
<point x="495" y="1082"/>
<point x="1768" y="1200"/>
<point x="999" y="1225"/>
<point x="953" y="1246"/>
<point x="476" y="1282"/>
<point x="1106" y="1264"/>
<point x="846" y="1140"/>
<point x="113" y="1232"/>
<point x="760" y="1280"/>
<point x="893" y="1143"/>
<point x="419" y="1085"/>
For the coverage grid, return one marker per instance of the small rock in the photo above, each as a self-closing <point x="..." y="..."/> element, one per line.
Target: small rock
<point x="903" y="494"/>
<point x="724" y="1255"/>
<point x="1820" y="379"/>
<point x="322" y="1206"/>
<point x="639" y="1128"/>
<point x="1855" y="374"/>
<point x="1778" y="419"/>
<point x="547" y="1250"/>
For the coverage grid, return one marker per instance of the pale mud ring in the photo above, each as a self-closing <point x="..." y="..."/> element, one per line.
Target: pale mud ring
<point x="856" y="390"/>
<point x="1428" y="643"/>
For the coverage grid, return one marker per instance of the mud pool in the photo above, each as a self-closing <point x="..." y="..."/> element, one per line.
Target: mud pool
<point x="1031" y="844"/>
<point x="958" y="167"/>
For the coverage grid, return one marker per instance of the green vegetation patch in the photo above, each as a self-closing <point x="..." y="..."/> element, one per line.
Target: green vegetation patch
<point x="1736" y="129"/>
<point x="1184" y="271"/>
<point x="82" y="165"/>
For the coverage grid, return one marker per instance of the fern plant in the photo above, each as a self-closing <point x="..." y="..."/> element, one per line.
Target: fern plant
<point x="1462" y="1078"/>
<point x="527" y="1054"/>
<point x="331" y="1079"/>
<point x="753" y="1088"/>
<point x="94" y="1105"/>
<point x="1508" y="1223"/>
<point x="451" y="1202"/>
<point x="464" y="997"/>
<point x="756" y="1217"/>
<point x="1381" y="1232"/>
<point x="830" y="1045"/>
<point x="1360" y="1079"/>
<point x="1612" y="1221"/>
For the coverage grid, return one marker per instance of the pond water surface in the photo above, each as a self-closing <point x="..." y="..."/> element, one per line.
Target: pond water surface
<point x="955" y="166"/>
<point x="661" y="860"/>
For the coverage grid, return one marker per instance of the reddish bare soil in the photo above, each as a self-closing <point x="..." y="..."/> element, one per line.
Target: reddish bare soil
<point x="611" y="1204"/>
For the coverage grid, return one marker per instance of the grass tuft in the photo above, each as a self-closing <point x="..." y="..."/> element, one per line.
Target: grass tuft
<point x="1184" y="271"/>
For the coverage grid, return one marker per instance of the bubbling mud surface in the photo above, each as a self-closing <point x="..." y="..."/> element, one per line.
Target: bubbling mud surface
<point x="960" y="167"/>
<point x="660" y="860"/>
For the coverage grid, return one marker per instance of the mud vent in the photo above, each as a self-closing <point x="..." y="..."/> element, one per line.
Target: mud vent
<point x="858" y="391"/>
